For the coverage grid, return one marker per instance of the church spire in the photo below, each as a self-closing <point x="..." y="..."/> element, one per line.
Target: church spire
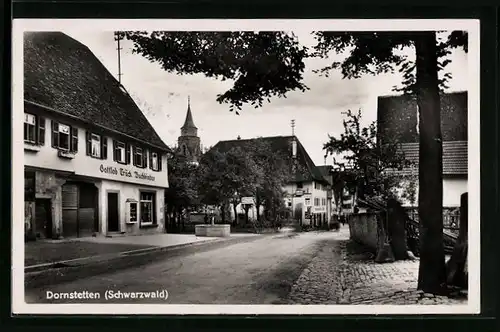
<point x="189" y="129"/>
<point x="189" y="123"/>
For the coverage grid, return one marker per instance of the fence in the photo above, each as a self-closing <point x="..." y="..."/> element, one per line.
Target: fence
<point x="451" y="218"/>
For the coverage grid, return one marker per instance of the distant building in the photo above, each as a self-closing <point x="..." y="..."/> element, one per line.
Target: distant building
<point x="93" y="163"/>
<point x="189" y="142"/>
<point x="307" y="196"/>
<point x="327" y="172"/>
<point x="398" y="118"/>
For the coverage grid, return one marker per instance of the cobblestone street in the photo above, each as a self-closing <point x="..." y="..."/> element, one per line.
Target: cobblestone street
<point x="343" y="273"/>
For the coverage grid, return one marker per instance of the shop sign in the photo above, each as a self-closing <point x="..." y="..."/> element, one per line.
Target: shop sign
<point x="319" y="209"/>
<point x="123" y="172"/>
<point x="247" y="200"/>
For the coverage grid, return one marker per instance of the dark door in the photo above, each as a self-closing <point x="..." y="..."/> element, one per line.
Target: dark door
<point x="43" y="218"/>
<point x="70" y="210"/>
<point x="113" y="224"/>
<point x="87" y="221"/>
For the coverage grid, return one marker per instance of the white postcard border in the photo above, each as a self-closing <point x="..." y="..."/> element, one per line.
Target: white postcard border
<point x="20" y="25"/>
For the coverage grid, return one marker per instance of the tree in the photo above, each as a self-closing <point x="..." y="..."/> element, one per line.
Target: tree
<point x="182" y="192"/>
<point x="373" y="171"/>
<point x="376" y="53"/>
<point x="261" y="64"/>
<point x="246" y="176"/>
<point x="275" y="172"/>
<point x="223" y="177"/>
<point x="369" y="168"/>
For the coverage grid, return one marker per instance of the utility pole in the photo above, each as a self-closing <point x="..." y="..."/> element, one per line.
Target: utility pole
<point x="119" y="37"/>
<point x="293" y="127"/>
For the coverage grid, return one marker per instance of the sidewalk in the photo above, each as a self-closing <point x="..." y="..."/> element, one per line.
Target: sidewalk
<point x="344" y="273"/>
<point x="39" y="254"/>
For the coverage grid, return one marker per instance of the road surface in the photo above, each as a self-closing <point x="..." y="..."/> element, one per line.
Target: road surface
<point x="257" y="272"/>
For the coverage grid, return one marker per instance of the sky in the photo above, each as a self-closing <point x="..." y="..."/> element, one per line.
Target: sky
<point x="317" y="112"/>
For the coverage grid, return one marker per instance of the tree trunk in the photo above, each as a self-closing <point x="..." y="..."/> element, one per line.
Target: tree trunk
<point x="223" y="213"/>
<point x="174" y="219"/>
<point x="432" y="272"/>
<point x="235" y="212"/>
<point x="247" y="208"/>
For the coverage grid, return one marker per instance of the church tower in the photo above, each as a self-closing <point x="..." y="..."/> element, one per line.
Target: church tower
<point x="189" y="142"/>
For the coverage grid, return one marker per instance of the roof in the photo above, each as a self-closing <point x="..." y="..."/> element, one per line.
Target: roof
<point x="63" y="75"/>
<point x="326" y="170"/>
<point x="454" y="157"/>
<point x="281" y="144"/>
<point x="397" y="117"/>
<point x="189" y="123"/>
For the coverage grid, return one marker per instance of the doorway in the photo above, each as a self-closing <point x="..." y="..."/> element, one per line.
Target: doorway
<point x="43" y="218"/>
<point x="113" y="221"/>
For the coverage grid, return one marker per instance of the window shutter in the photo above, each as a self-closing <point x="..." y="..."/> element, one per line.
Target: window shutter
<point x="159" y="161"/>
<point x="144" y="158"/>
<point x="88" y="142"/>
<point x="115" y="152"/>
<point x="127" y="153"/>
<point x="74" y="139"/>
<point x="55" y="134"/>
<point x="41" y="130"/>
<point x="104" y="147"/>
<point x="134" y="151"/>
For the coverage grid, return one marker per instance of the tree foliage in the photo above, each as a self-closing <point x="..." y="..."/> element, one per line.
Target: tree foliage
<point x="369" y="167"/>
<point x="276" y="169"/>
<point x="261" y="64"/>
<point x="182" y="191"/>
<point x="253" y="169"/>
<point x="381" y="53"/>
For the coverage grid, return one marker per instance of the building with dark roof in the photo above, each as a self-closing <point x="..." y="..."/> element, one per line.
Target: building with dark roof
<point x="307" y="196"/>
<point x="94" y="165"/>
<point x="397" y="118"/>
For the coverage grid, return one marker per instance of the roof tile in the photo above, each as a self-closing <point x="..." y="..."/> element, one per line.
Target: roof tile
<point x="61" y="73"/>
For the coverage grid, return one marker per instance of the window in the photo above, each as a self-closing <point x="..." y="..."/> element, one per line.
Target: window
<point x="133" y="212"/>
<point x="97" y="145"/>
<point x="140" y="157"/>
<point x="121" y="152"/>
<point x="155" y="161"/>
<point x="29" y="128"/>
<point x="64" y="137"/>
<point x="147" y="206"/>
<point x="308" y="201"/>
<point x="299" y="185"/>
<point x="316" y="201"/>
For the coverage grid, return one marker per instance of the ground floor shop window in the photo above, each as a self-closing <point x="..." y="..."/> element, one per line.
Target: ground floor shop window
<point x="147" y="208"/>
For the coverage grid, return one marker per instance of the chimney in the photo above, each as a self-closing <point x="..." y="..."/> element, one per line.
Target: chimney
<point x="294" y="148"/>
<point x="239" y="137"/>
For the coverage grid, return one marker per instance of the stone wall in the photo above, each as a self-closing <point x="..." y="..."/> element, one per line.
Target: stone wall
<point x="363" y="229"/>
<point x="48" y="185"/>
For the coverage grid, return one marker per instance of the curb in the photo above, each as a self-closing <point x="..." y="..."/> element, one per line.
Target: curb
<point x="66" y="271"/>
